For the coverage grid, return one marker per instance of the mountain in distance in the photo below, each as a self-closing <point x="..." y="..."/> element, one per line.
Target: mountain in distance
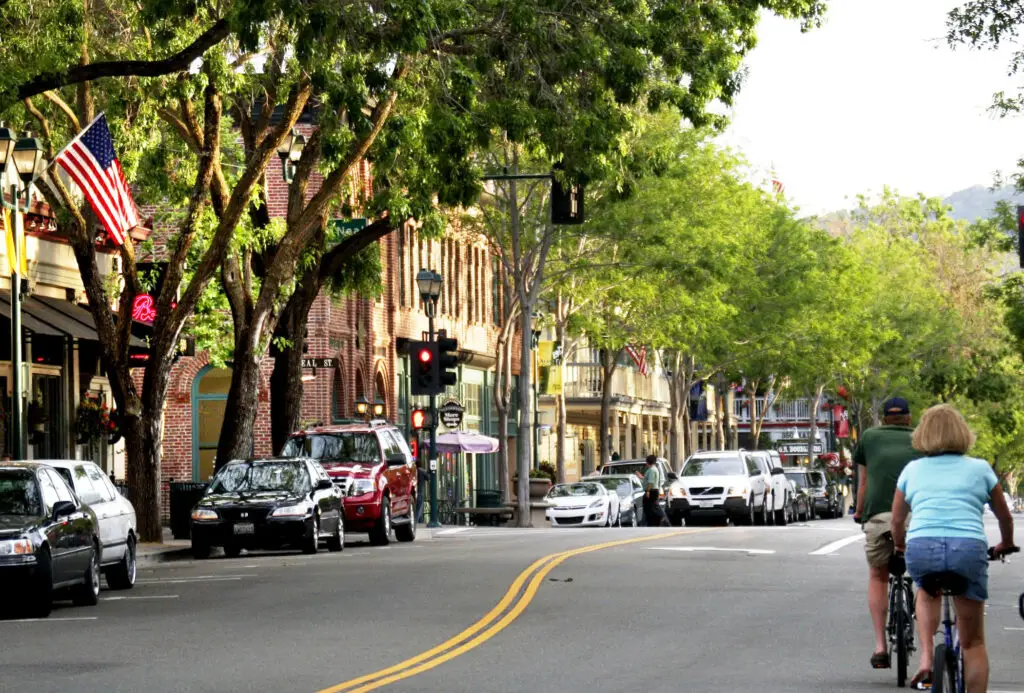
<point x="978" y="201"/>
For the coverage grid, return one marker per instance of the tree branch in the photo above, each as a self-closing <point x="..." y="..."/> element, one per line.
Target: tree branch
<point x="123" y="68"/>
<point x="60" y="103"/>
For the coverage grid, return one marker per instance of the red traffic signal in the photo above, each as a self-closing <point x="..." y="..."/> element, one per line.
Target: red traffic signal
<point x="425" y="355"/>
<point x="419" y="419"/>
<point x="424" y="368"/>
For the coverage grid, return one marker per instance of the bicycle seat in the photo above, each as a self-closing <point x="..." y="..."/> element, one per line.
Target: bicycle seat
<point x="946" y="582"/>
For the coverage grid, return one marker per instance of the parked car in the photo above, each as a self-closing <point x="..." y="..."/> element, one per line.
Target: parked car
<point x="584" y="503"/>
<point x="114" y="513"/>
<point x="778" y="487"/>
<point x="49" y="542"/>
<point x="825" y="494"/>
<point x="638" y="467"/>
<point x="631" y="497"/>
<point x="269" y="504"/>
<point x="373" y="466"/>
<point x="726" y="484"/>
<point x="804" y="505"/>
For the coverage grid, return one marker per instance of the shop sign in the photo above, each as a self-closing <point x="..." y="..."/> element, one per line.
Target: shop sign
<point x="451" y="413"/>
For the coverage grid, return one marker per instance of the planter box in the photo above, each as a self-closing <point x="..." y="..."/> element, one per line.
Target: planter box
<point x="539" y="488"/>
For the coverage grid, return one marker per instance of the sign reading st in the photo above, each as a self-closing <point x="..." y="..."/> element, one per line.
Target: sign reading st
<point x="797" y="447"/>
<point x="319" y="363"/>
<point x="451" y="413"/>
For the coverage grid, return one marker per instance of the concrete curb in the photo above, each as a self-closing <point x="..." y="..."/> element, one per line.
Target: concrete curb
<point x="163" y="554"/>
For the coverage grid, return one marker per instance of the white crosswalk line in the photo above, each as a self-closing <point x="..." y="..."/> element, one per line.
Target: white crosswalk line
<point x="836" y="545"/>
<point x="710" y="548"/>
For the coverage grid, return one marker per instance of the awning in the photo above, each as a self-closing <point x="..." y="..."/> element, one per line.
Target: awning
<point x="466" y="441"/>
<point x="53" y="317"/>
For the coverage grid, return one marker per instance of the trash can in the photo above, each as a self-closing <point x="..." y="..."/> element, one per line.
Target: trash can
<point x="488" y="498"/>
<point x="183" y="497"/>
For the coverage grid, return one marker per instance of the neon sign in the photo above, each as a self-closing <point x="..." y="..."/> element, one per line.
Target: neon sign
<point x="143" y="309"/>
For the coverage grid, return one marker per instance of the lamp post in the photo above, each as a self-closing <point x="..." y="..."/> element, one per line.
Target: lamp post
<point x="362" y="405"/>
<point x="429" y="284"/>
<point x="26" y="155"/>
<point x="290" y="151"/>
<point x="378" y="408"/>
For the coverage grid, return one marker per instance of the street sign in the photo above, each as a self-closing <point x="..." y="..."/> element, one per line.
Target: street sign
<point x="798" y="447"/>
<point x="319" y="363"/>
<point x="451" y="413"/>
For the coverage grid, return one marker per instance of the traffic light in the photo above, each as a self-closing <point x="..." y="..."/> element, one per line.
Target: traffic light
<point x="424" y="368"/>
<point x="1020" y="233"/>
<point x="448" y="358"/>
<point x="566" y="202"/>
<point x="419" y="419"/>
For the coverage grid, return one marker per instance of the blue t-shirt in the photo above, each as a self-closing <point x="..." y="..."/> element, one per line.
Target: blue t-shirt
<point x="947" y="496"/>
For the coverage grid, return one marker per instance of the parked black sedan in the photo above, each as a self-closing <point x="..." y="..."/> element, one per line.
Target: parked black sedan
<point x="49" y="543"/>
<point x="269" y="504"/>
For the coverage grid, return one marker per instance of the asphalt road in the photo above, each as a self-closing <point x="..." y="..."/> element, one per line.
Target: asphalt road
<point x="683" y="609"/>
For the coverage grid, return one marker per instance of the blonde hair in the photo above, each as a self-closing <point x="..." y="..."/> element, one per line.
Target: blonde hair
<point x="942" y="429"/>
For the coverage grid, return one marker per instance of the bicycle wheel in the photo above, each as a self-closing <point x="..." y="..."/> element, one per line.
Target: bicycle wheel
<point x="902" y="656"/>
<point x="944" y="670"/>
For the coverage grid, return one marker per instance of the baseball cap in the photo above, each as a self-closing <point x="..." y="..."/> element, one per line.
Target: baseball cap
<point x="895" y="406"/>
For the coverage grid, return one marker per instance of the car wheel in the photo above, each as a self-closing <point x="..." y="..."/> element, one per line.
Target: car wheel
<point x="311" y="542"/>
<point x="337" y="542"/>
<point x="750" y="512"/>
<point x="407" y="532"/>
<point x="232" y="550"/>
<point x="781" y="516"/>
<point x="632" y="519"/>
<point x="40" y="601"/>
<point x="88" y="593"/>
<point x="380" y="535"/>
<point x="812" y="514"/>
<point x="200" y="550"/>
<point x="122" y="575"/>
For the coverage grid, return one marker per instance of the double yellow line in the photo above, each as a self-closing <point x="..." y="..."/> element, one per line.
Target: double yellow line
<point x="492" y="623"/>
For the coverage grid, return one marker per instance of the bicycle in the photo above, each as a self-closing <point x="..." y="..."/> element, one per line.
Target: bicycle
<point x="901" y="617"/>
<point x="948" y="665"/>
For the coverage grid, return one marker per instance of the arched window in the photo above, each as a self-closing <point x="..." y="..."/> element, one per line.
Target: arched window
<point x="209" y="400"/>
<point x="380" y="391"/>
<point x="338" y="394"/>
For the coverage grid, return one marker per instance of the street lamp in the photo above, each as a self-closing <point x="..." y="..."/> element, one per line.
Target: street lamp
<point x="429" y="284"/>
<point x="378" y="408"/>
<point x="290" y="151"/>
<point x="362" y="405"/>
<point x="25" y="157"/>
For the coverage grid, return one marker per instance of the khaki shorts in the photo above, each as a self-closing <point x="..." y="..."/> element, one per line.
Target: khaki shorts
<point x="877" y="546"/>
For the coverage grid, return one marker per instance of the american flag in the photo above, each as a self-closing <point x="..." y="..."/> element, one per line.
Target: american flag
<point x="91" y="162"/>
<point x="777" y="186"/>
<point x="639" y="358"/>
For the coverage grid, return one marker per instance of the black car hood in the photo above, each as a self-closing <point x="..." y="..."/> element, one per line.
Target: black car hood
<point x="260" y="499"/>
<point x="16" y="525"/>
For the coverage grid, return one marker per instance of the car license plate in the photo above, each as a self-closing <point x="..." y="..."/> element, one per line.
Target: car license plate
<point x="245" y="528"/>
<point x="706" y="504"/>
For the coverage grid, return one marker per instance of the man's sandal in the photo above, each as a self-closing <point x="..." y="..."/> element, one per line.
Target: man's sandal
<point x="880" y="660"/>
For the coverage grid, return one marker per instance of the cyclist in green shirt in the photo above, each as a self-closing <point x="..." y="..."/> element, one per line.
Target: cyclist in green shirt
<point x="881" y="455"/>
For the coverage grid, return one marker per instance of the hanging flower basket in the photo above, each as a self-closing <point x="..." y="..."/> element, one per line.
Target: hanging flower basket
<point x="93" y="420"/>
<point x="37" y="418"/>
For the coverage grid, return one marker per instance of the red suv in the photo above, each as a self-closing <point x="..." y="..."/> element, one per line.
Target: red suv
<point x="373" y="466"/>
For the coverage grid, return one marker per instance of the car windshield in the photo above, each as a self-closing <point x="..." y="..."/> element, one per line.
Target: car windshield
<point x="798" y="478"/>
<point x="335" y="447"/>
<point x="569" y="490"/>
<point x="712" y="466"/>
<point x="817" y="479"/>
<point x="623" y="487"/>
<point x="19" y="493"/>
<point x="254" y="477"/>
<point x="628" y="468"/>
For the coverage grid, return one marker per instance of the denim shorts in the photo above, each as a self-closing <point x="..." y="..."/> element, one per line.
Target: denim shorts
<point x="966" y="557"/>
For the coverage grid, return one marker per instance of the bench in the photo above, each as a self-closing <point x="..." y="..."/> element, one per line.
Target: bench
<point x="489" y="516"/>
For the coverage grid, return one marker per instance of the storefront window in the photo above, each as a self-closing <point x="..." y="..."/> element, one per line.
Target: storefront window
<point x="209" y="401"/>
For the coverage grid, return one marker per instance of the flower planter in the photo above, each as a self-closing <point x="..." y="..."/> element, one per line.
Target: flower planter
<point x="539" y="488"/>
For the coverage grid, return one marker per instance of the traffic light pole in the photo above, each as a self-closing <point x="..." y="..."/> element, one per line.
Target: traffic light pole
<point x="434" y="523"/>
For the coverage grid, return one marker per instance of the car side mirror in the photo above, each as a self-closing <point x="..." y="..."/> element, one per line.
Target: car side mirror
<point x="324" y="485"/>
<point x="396" y="460"/>
<point x="63" y="509"/>
<point x="777" y="471"/>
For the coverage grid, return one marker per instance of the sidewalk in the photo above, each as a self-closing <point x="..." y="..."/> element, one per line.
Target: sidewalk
<point x="171" y="550"/>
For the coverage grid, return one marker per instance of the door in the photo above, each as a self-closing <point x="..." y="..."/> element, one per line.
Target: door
<point x="327" y="500"/>
<point x="109" y="513"/>
<point x="397" y="475"/>
<point x="56" y="535"/>
<point x="77" y="527"/>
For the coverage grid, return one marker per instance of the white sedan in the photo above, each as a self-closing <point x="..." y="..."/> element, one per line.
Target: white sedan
<point x="582" y="504"/>
<point x="115" y="517"/>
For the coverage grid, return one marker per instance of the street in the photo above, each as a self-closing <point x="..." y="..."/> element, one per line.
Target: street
<point x="681" y="609"/>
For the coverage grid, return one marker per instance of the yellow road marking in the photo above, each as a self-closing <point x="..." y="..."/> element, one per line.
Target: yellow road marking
<point x="419" y="663"/>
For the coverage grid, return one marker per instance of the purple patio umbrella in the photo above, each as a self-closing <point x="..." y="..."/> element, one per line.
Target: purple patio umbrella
<point x="466" y="441"/>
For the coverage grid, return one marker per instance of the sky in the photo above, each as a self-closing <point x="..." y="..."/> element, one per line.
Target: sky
<point x="875" y="97"/>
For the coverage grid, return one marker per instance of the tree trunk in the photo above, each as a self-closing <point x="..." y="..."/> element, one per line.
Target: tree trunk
<point x="813" y="432"/>
<point x="502" y="397"/>
<point x="675" y="409"/>
<point x="236" y="435"/>
<point x="561" y="423"/>
<point x="720" y="418"/>
<point x="524" y="441"/>
<point x="286" y="388"/>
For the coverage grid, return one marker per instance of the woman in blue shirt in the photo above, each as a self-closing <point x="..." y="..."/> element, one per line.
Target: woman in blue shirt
<point x="944" y="494"/>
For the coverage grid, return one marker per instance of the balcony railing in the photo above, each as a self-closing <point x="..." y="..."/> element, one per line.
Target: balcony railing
<point x="781" y="410"/>
<point x="584" y="381"/>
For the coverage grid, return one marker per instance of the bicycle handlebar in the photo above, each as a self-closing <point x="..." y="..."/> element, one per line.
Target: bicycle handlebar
<point x="992" y="556"/>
